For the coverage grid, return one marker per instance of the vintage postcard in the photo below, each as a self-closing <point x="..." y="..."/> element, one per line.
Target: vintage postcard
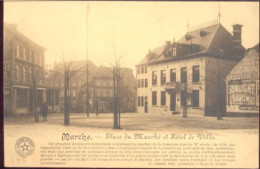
<point x="131" y="84"/>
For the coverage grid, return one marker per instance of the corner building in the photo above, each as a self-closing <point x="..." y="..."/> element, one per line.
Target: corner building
<point x="190" y="72"/>
<point x="23" y="64"/>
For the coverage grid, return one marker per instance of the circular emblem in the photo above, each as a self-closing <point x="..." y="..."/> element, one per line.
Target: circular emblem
<point x="24" y="147"/>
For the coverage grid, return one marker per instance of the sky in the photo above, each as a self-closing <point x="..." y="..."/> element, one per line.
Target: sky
<point x="122" y="29"/>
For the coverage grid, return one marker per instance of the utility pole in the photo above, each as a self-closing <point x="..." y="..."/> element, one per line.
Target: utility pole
<point x="87" y="97"/>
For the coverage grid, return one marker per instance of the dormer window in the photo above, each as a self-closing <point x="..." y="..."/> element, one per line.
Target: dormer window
<point x="188" y="37"/>
<point x="203" y="33"/>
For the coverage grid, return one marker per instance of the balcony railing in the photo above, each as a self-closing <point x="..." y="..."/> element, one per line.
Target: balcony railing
<point x="172" y="85"/>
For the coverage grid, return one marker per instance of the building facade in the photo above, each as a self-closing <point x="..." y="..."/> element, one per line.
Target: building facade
<point x="189" y="73"/>
<point x="243" y="84"/>
<point x="103" y="90"/>
<point x="77" y="85"/>
<point x="23" y="72"/>
<point x="52" y="83"/>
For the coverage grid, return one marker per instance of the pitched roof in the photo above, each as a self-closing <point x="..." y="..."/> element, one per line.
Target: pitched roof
<point x="107" y="72"/>
<point x="13" y="29"/>
<point x="213" y="40"/>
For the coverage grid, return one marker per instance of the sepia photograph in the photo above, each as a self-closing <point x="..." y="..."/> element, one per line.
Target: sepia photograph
<point x="154" y="84"/>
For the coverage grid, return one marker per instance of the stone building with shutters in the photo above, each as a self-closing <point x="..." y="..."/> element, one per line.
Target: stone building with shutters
<point x="190" y="72"/>
<point x="23" y="65"/>
<point x="243" y="84"/>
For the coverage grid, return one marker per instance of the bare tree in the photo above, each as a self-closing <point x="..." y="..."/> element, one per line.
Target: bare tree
<point x="215" y="78"/>
<point x="117" y="62"/>
<point x="67" y="73"/>
<point x="36" y="76"/>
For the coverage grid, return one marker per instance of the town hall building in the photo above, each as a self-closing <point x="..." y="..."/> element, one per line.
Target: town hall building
<point x="189" y="73"/>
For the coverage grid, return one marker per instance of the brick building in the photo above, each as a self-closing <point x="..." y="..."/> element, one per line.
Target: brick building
<point x="190" y="72"/>
<point x="23" y="72"/>
<point x="243" y="84"/>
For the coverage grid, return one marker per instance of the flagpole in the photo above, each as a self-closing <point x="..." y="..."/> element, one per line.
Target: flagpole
<point x="87" y="98"/>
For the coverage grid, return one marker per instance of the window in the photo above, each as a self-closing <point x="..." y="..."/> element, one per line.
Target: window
<point x="195" y="74"/>
<point x="145" y="69"/>
<point x="139" y="101"/>
<point x="27" y="54"/>
<point x="25" y="74"/>
<point x="154" y="78"/>
<point x="24" y="53"/>
<point x="142" y="70"/>
<point x="195" y="98"/>
<point x="73" y="93"/>
<point x="154" y="97"/>
<point x="183" y="98"/>
<point x="21" y="101"/>
<point x="163" y="76"/>
<point x="98" y="93"/>
<point x="62" y="93"/>
<point x="184" y="75"/>
<point x="18" y="73"/>
<point x="163" y="98"/>
<point x="173" y="75"/>
<point x="142" y="101"/>
<point x="17" y="51"/>
<point x="138" y="85"/>
<point x="56" y="97"/>
<point x="146" y="83"/>
<point x="32" y="56"/>
<point x="142" y="83"/>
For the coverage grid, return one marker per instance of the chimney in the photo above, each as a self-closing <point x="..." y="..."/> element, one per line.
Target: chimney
<point x="238" y="49"/>
<point x="237" y="34"/>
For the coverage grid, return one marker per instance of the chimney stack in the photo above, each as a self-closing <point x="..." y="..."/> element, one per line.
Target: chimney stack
<point x="238" y="49"/>
<point x="237" y="33"/>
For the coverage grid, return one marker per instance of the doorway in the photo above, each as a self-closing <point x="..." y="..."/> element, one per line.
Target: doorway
<point x="173" y="101"/>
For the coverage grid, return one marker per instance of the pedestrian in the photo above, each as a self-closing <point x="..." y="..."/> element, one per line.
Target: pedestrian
<point x="44" y="111"/>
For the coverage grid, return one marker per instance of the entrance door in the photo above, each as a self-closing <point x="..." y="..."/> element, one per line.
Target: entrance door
<point x="173" y="101"/>
<point x="145" y="107"/>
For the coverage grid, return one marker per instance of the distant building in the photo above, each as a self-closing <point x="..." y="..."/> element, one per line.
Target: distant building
<point x="23" y="63"/>
<point x="189" y="72"/>
<point x="52" y="83"/>
<point x="77" y="90"/>
<point x="103" y="90"/>
<point x="243" y="84"/>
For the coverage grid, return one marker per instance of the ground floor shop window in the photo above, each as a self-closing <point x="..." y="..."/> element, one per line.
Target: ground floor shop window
<point x="21" y="101"/>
